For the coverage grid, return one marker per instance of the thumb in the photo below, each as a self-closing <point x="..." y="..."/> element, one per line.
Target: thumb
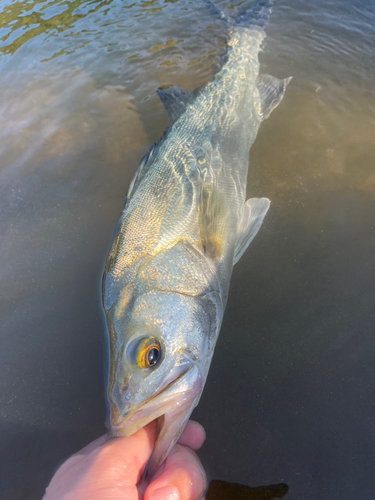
<point x="106" y="471"/>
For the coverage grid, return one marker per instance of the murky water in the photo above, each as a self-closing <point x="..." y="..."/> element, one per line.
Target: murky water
<point x="290" y="394"/>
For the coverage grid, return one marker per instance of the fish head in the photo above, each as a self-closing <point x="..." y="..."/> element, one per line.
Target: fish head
<point x="161" y="347"/>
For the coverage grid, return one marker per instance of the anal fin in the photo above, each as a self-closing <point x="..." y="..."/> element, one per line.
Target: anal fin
<point x="253" y="213"/>
<point x="271" y="91"/>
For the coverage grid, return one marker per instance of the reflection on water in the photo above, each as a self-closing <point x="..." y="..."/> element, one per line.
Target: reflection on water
<point x="293" y="372"/>
<point x="221" y="490"/>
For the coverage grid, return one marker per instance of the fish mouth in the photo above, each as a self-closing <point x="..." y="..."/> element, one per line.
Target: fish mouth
<point x="171" y="407"/>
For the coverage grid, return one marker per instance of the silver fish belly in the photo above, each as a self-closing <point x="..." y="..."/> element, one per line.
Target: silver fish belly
<point x="184" y="224"/>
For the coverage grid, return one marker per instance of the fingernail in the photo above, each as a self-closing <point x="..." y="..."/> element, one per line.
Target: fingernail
<point x="167" y="493"/>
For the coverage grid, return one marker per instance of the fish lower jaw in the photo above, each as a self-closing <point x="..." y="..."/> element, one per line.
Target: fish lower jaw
<point x="176" y="395"/>
<point x="140" y="419"/>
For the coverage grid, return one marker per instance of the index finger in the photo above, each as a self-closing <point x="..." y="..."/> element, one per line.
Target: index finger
<point x="193" y="435"/>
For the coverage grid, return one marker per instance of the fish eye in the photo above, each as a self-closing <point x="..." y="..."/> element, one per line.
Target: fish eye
<point x="149" y="353"/>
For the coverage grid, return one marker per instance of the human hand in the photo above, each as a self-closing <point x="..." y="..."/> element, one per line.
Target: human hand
<point x="109" y="469"/>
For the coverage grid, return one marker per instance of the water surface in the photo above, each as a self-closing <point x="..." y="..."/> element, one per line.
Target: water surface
<point x="290" y="393"/>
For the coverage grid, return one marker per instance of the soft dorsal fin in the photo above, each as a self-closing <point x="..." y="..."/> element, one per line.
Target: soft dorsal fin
<point x="253" y="213"/>
<point x="175" y="101"/>
<point x="271" y="91"/>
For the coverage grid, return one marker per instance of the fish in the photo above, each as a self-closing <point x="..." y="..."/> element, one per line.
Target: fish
<point x="184" y="224"/>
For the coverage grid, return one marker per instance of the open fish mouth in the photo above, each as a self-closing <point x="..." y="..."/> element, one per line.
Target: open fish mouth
<point x="171" y="406"/>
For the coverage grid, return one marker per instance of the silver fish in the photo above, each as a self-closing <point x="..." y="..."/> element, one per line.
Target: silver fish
<point x="184" y="224"/>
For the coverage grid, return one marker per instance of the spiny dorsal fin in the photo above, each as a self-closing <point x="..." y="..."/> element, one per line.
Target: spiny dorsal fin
<point x="142" y="169"/>
<point x="271" y="91"/>
<point x="253" y="213"/>
<point x="175" y="101"/>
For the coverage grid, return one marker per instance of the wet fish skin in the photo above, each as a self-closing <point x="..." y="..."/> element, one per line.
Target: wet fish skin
<point x="184" y="224"/>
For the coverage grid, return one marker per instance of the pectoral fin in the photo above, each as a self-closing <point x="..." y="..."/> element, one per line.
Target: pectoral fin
<point x="253" y="213"/>
<point x="271" y="91"/>
<point x="175" y="101"/>
<point x="213" y="219"/>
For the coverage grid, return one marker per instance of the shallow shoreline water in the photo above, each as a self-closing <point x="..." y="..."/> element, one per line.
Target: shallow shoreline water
<point x="289" y="397"/>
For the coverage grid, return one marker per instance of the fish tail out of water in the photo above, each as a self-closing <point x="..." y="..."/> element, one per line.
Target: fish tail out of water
<point x="216" y="12"/>
<point x="255" y="17"/>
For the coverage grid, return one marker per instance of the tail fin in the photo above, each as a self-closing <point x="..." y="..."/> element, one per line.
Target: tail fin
<point x="257" y="16"/>
<point x="215" y="11"/>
